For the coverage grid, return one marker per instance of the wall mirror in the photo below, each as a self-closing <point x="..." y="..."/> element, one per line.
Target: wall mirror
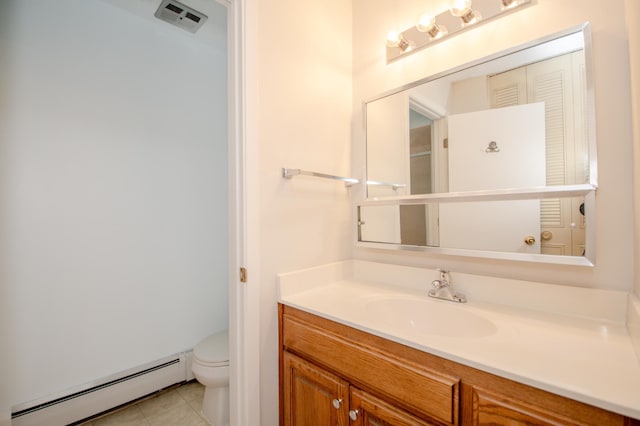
<point x="502" y="149"/>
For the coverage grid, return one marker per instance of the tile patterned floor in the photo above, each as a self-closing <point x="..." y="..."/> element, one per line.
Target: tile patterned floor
<point x="176" y="407"/>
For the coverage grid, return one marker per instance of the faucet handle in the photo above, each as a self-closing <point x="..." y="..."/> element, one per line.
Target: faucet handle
<point x="444" y="275"/>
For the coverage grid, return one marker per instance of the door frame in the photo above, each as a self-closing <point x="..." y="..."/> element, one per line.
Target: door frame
<point x="244" y="308"/>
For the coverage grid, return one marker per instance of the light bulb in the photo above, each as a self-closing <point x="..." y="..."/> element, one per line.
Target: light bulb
<point x="426" y="23"/>
<point x="395" y="39"/>
<point x="460" y="7"/>
<point x="463" y="10"/>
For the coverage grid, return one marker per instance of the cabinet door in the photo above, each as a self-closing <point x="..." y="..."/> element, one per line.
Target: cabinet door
<point x="311" y="395"/>
<point x="492" y="409"/>
<point x="368" y="410"/>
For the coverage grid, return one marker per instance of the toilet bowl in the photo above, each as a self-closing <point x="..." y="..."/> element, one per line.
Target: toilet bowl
<point x="210" y="366"/>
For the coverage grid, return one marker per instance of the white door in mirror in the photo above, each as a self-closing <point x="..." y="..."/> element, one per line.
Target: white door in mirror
<point x="517" y="162"/>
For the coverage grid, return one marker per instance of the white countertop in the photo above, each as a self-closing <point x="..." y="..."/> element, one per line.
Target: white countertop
<point x="582" y="351"/>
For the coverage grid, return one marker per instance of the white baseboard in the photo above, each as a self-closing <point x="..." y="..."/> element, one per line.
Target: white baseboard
<point x="96" y="397"/>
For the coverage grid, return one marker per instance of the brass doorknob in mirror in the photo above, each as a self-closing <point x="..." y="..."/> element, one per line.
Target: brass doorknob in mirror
<point x="546" y="235"/>
<point x="529" y="240"/>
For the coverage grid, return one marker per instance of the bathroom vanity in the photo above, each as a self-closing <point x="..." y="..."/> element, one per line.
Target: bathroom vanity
<point x="345" y="359"/>
<point x="333" y="373"/>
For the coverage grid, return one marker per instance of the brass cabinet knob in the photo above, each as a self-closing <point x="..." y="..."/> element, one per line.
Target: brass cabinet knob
<point x="529" y="240"/>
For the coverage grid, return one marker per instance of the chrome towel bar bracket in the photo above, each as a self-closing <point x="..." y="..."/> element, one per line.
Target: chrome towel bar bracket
<point x="289" y="173"/>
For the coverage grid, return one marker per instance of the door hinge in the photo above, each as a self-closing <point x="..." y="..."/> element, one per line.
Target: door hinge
<point x="243" y="275"/>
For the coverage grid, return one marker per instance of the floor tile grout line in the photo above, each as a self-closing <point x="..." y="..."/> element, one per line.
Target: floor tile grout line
<point x="149" y="421"/>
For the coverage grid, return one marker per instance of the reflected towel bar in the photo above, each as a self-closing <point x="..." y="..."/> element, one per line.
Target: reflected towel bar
<point x="393" y="186"/>
<point x="289" y="173"/>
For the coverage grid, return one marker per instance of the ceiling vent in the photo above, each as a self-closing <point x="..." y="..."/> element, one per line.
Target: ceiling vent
<point x="180" y="15"/>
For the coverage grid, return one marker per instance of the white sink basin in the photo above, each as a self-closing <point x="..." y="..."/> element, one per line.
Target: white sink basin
<point x="429" y="317"/>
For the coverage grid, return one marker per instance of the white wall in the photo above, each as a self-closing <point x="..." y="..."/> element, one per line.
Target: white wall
<point x="301" y="118"/>
<point x="614" y="263"/>
<point x="113" y="172"/>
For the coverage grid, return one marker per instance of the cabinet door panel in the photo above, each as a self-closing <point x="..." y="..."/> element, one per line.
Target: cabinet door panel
<point x="493" y="409"/>
<point x="309" y="394"/>
<point x="372" y="411"/>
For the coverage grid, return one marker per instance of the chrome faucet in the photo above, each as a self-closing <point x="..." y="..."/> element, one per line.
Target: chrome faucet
<point x="442" y="289"/>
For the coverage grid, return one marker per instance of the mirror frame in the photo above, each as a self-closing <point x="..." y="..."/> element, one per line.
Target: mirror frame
<point x="587" y="190"/>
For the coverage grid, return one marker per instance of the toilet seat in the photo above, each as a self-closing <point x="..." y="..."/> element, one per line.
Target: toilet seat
<point x="213" y="351"/>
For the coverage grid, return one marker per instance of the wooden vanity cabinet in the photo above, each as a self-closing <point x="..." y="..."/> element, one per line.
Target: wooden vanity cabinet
<point x="329" y="371"/>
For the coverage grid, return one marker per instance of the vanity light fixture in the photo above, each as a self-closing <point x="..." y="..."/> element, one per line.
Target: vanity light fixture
<point x="461" y="15"/>
<point x="427" y="24"/>
<point x="462" y="9"/>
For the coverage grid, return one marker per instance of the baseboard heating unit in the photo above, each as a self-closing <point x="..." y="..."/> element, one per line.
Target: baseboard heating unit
<point x="102" y="395"/>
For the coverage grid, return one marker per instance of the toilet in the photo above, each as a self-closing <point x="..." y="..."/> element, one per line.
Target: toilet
<point x="210" y="366"/>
